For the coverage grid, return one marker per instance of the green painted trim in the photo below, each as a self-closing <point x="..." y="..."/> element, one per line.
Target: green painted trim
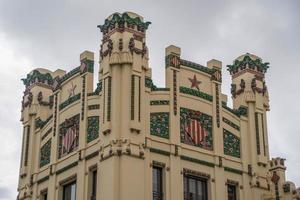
<point x="69" y="101"/>
<point x="161" y="89"/>
<point x="232" y="170"/>
<point x="241" y="111"/>
<point x="122" y="18"/>
<point x="66" y="168"/>
<point x="159" y="151"/>
<point x="69" y="74"/>
<point x="159" y="102"/>
<point x="92" y="155"/>
<point x="230" y="123"/>
<point x="248" y="61"/>
<point x="46" y="178"/>
<point x="97" y="90"/>
<point x="39" y="77"/>
<point x="40" y="123"/>
<point x="196" y="66"/>
<point x="196" y="93"/>
<point x="149" y="84"/>
<point x="194" y="160"/>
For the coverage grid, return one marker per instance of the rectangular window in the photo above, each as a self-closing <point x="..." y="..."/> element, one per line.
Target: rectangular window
<point x="157" y="183"/>
<point x="231" y="191"/>
<point x="27" y="145"/>
<point x="94" y="185"/>
<point x="44" y="196"/>
<point x="69" y="191"/>
<point x="195" y="188"/>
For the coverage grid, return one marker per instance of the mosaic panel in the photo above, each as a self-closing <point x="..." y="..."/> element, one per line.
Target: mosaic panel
<point x="159" y="124"/>
<point x="231" y="144"/>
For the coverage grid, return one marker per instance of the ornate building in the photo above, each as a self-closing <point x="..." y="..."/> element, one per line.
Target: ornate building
<point x="128" y="139"/>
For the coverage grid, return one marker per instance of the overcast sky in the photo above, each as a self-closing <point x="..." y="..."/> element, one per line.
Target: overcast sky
<point x="52" y="34"/>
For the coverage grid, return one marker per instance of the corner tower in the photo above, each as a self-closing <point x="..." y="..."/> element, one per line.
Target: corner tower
<point x="123" y="69"/>
<point x="250" y="97"/>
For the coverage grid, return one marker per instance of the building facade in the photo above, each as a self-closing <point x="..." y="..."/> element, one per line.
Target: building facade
<point x="129" y="139"/>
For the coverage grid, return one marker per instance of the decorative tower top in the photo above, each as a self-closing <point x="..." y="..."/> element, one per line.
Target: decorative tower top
<point x="120" y="22"/>
<point x="248" y="62"/>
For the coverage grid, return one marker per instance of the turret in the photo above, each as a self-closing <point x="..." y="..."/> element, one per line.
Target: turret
<point x="123" y="65"/>
<point x="250" y="95"/>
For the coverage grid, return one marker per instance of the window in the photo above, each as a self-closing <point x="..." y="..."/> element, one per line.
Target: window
<point x="195" y="188"/>
<point x="94" y="185"/>
<point x="157" y="183"/>
<point x="69" y="191"/>
<point x="231" y="191"/>
<point x="44" y="196"/>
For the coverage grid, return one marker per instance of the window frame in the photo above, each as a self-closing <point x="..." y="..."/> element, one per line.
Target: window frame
<point x="197" y="179"/>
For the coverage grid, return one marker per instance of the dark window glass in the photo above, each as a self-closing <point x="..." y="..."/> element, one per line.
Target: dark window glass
<point x="157" y="183"/>
<point x="195" y="188"/>
<point x="231" y="190"/>
<point x="69" y="191"/>
<point x="94" y="185"/>
<point x="45" y="196"/>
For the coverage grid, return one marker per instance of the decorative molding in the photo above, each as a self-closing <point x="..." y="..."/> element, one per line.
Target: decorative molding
<point x="159" y="151"/>
<point x="230" y="123"/>
<point x="132" y="97"/>
<point x="92" y="128"/>
<point x="232" y="170"/>
<point x="175" y="92"/>
<point x="172" y="61"/>
<point x="216" y="75"/>
<point x="159" y="102"/>
<point x="248" y="63"/>
<point x="45" y="103"/>
<point x="83" y="97"/>
<point x="120" y="20"/>
<point x="241" y="111"/>
<point x="257" y="134"/>
<point x="46" y="134"/>
<point x="196" y="66"/>
<point x="194" y="160"/>
<point x="196" y="128"/>
<point x="39" y="123"/>
<point x="149" y="84"/>
<point x="195" y="93"/>
<point x="74" y="164"/>
<point x="231" y="143"/>
<point x="217" y="105"/>
<point x="97" y="90"/>
<point x="235" y="92"/>
<point x="35" y="77"/>
<point x="159" y="124"/>
<point x="69" y="75"/>
<point x="55" y="115"/>
<point x="45" y="153"/>
<point x="133" y="49"/>
<point x="69" y="101"/>
<point x="92" y="155"/>
<point x="109" y="99"/>
<point x="46" y="178"/>
<point x="195" y="173"/>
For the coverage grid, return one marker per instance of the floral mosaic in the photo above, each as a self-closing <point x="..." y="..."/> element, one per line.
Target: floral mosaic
<point x="231" y="144"/>
<point x="92" y="128"/>
<point x="45" y="153"/>
<point x="159" y="124"/>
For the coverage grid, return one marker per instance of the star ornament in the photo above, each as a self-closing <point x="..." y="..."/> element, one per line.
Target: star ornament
<point x="195" y="83"/>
